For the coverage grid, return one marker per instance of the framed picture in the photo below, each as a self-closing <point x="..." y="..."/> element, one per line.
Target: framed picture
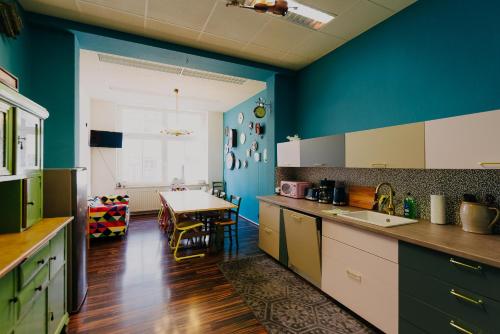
<point x="8" y="79"/>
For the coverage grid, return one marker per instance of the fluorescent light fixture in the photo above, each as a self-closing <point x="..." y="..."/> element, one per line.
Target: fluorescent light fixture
<point x="309" y="12"/>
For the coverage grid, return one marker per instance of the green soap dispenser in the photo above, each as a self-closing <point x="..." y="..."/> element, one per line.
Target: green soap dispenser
<point x="410" y="206"/>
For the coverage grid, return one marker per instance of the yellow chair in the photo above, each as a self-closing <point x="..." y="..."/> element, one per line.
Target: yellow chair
<point x="180" y="229"/>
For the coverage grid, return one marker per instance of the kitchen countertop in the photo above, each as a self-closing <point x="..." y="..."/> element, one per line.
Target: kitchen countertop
<point x="16" y="247"/>
<point x="449" y="239"/>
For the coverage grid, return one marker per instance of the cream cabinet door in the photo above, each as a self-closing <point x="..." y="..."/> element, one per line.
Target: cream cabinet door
<point x="463" y="142"/>
<point x="401" y="146"/>
<point x="303" y="245"/>
<point x="326" y="151"/>
<point x="269" y="229"/>
<point x="289" y="154"/>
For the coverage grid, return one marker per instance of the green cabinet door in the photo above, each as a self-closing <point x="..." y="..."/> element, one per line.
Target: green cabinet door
<point x="33" y="200"/>
<point x="7" y="309"/>
<point x="56" y="315"/>
<point x="35" y="320"/>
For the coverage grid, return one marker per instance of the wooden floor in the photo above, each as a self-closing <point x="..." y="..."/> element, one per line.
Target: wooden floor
<point x="135" y="286"/>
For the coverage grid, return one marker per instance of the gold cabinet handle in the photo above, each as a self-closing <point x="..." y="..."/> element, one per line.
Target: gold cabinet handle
<point x="465" y="265"/>
<point x="468" y="299"/>
<point x="460" y="328"/>
<point x="383" y="165"/>
<point x="296" y="217"/>
<point x="353" y="275"/>
<point x="267" y="230"/>
<point x="484" y="164"/>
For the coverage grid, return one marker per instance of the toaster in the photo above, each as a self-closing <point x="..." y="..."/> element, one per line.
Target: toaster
<point x="294" y="189"/>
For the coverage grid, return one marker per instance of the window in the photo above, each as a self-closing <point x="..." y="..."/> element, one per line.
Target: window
<point x="151" y="158"/>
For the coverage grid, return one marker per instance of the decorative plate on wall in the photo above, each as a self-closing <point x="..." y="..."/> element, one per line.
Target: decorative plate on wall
<point x="256" y="156"/>
<point x="243" y="138"/>
<point x="241" y="117"/>
<point x="238" y="164"/>
<point x="264" y="155"/>
<point x="255" y="146"/>
<point x="245" y="164"/>
<point x="249" y="152"/>
<point x="250" y="125"/>
<point x="230" y="160"/>
<point x="226" y="148"/>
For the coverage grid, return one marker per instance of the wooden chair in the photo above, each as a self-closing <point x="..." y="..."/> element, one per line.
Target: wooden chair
<point x="218" y="185"/>
<point x="227" y="223"/>
<point x="180" y="228"/>
<point x="160" y="212"/>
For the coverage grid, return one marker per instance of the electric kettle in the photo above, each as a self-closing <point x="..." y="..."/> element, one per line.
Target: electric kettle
<point x="478" y="218"/>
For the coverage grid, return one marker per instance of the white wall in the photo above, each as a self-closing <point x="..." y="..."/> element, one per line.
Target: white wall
<point x="83" y="131"/>
<point x="214" y="146"/>
<point x="103" y="116"/>
<point x="104" y="160"/>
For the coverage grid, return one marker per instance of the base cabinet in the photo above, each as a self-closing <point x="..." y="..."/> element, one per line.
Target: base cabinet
<point x="33" y="295"/>
<point x="269" y="229"/>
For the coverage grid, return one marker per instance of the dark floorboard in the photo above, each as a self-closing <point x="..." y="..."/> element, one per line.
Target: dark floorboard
<point x="135" y="286"/>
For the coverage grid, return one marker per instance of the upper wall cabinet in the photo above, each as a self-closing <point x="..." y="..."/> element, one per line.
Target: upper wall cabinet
<point x="401" y="146"/>
<point x="21" y="122"/>
<point x="463" y="142"/>
<point x="316" y="152"/>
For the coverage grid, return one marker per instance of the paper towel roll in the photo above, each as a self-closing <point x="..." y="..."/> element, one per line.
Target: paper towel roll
<point x="438" y="209"/>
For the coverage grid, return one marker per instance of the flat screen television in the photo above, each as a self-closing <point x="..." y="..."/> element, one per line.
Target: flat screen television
<point x="106" y="139"/>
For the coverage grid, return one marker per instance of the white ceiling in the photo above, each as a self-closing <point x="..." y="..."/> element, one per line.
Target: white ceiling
<point x="210" y="25"/>
<point x="132" y="86"/>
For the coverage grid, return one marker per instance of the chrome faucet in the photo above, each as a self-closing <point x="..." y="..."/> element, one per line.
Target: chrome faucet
<point x="389" y="208"/>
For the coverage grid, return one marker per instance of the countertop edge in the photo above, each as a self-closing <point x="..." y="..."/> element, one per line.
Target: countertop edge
<point x="33" y="249"/>
<point x="387" y="232"/>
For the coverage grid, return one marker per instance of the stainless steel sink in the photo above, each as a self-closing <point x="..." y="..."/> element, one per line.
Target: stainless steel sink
<point x="377" y="218"/>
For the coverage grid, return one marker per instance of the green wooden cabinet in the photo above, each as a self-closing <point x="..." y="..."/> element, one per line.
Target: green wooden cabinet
<point x="6" y="139"/>
<point x="29" y="142"/>
<point x="441" y="293"/>
<point x="7" y="303"/>
<point x="32" y="202"/>
<point x="33" y="295"/>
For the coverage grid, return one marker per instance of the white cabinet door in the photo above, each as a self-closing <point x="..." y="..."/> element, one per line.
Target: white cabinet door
<point x="289" y="154"/>
<point x="463" y="142"/>
<point x="365" y="283"/>
<point x="323" y="152"/>
<point x="401" y="146"/>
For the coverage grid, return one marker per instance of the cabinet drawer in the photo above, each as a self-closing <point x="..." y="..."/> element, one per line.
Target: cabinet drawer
<point x="269" y="215"/>
<point x="269" y="241"/>
<point x="365" y="283"/>
<point x="375" y="244"/>
<point x="57" y="253"/>
<point x="32" y="291"/>
<point x="466" y="305"/>
<point x="478" y="278"/>
<point x="35" y="320"/>
<point x="430" y="319"/>
<point x="7" y="309"/>
<point x="29" y="268"/>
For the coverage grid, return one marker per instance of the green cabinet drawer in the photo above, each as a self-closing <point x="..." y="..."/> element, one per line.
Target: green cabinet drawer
<point x="471" y="307"/>
<point x="432" y="320"/>
<point x="466" y="274"/>
<point x="29" y="268"/>
<point x="57" y="257"/>
<point x="406" y="327"/>
<point x="56" y="293"/>
<point x="35" y="321"/>
<point x="33" y="200"/>
<point x="7" y="309"/>
<point x="33" y="290"/>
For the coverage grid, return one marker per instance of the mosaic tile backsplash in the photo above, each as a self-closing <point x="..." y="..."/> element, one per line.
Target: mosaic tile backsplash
<point x="421" y="183"/>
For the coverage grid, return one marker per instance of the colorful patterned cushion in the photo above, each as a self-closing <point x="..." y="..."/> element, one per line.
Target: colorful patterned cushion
<point x="115" y="199"/>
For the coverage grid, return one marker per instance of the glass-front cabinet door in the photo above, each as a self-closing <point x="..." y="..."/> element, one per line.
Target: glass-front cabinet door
<point x="28" y="157"/>
<point x="5" y="139"/>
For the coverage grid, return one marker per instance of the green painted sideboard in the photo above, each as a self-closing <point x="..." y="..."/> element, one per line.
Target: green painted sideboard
<point x="33" y="295"/>
<point x="442" y="293"/>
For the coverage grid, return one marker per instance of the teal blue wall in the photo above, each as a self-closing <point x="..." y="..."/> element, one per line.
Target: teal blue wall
<point x="246" y="182"/>
<point x="437" y="58"/>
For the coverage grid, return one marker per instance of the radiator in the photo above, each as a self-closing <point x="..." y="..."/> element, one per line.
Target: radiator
<point x="143" y="199"/>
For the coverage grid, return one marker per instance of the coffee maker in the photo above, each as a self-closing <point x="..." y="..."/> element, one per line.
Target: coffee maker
<point x="325" y="194"/>
<point x="339" y="195"/>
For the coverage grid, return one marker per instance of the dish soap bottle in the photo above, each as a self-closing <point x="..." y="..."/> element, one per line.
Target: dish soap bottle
<point x="410" y="207"/>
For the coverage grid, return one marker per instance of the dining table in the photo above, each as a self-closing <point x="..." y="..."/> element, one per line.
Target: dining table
<point x="196" y="201"/>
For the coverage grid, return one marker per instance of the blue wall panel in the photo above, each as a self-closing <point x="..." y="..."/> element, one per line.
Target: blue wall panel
<point x="436" y="58"/>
